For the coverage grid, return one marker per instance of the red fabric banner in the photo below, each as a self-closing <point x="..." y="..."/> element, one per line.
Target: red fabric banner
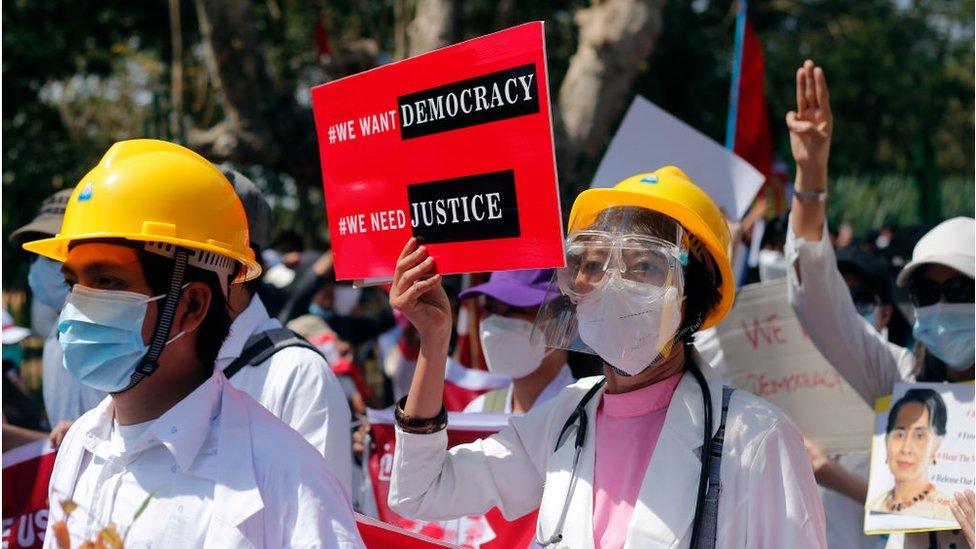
<point x="26" y="475"/>
<point x="488" y="531"/>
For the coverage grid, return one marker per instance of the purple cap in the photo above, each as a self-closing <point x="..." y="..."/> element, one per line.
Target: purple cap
<point x="516" y="288"/>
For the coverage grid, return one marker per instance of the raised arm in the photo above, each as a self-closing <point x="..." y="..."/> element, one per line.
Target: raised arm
<point x="418" y="294"/>
<point x="811" y="126"/>
<point x="817" y="291"/>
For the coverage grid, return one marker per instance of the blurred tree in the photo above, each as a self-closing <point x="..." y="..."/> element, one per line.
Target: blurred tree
<point x="41" y="45"/>
<point x="83" y="73"/>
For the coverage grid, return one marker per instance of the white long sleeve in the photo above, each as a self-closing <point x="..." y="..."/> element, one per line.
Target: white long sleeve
<point x="826" y="311"/>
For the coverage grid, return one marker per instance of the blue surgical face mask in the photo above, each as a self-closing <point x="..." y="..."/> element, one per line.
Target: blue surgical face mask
<point x="871" y="316"/>
<point x="318" y="310"/>
<point x="947" y="330"/>
<point x="47" y="283"/>
<point x="101" y="336"/>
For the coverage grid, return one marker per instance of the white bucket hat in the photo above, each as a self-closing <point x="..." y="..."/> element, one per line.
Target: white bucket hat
<point x="12" y="334"/>
<point x="950" y="243"/>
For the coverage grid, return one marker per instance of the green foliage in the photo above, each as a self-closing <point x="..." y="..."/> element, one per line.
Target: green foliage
<point x="901" y="77"/>
<point x="868" y="202"/>
<point x="43" y="42"/>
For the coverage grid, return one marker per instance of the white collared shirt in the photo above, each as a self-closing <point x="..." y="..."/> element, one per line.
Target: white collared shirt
<point x="563" y="379"/>
<point x="189" y="466"/>
<point x="297" y="386"/>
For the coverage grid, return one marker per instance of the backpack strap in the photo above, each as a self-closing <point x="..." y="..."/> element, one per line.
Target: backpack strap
<point x="263" y="345"/>
<point x="709" y="525"/>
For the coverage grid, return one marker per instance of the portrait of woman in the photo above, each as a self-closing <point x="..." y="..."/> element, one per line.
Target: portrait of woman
<point x="916" y="425"/>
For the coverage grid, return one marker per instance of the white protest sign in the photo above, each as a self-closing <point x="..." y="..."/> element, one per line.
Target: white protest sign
<point x="769" y="355"/>
<point x="650" y="138"/>
<point x="921" y="457"/>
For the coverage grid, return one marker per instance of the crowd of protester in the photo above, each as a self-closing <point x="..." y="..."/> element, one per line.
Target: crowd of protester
<point x="317" y="353"/>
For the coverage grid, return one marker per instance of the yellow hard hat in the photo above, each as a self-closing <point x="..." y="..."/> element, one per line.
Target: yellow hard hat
<point x="158" y="192"/>
<point x="669" y="191"/>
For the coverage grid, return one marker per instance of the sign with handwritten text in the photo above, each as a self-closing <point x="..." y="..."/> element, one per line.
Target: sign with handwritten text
<point x="769" y="355"/>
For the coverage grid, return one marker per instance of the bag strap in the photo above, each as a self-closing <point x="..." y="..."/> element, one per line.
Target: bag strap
<point x="263" y="345"/>
<point x="709" y="524"/>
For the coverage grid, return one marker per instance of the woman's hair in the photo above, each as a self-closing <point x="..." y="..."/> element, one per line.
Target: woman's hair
<point x="702" y="276"/>
<point x="933" y="403"/>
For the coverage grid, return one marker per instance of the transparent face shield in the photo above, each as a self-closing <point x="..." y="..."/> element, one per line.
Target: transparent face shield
<point x="620" y="294"/>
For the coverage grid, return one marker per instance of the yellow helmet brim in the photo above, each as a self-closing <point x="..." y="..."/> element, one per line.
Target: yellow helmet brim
<point x="56" y="248"/>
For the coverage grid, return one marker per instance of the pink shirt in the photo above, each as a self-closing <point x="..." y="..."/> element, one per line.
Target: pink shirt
<point x="627" y="429"/>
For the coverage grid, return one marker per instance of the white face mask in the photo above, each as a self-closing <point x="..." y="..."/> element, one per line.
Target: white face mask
<point x="627" y="329"/>
<point x="508" y="351"/>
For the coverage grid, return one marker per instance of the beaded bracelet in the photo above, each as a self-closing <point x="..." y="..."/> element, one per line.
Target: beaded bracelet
<point x="419" y="425"/>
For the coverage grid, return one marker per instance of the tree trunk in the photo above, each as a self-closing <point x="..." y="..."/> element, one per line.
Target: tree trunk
<point x="616" y="37"/>
<point x="434" y="26"/>
<point x="176" y="72"/>
<point x="262" y="124"/>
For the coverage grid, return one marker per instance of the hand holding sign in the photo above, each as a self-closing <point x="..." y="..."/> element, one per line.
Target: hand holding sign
<point x="418" y="294"/>
<point x="964" y="509"/>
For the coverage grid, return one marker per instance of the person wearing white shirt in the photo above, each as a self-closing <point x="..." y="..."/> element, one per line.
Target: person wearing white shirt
<point x="65" y="399"/>
<point x="175" y="456"/>
<point x="512" y="300"/>
<point x="939" y="277"/>
<point x="655" y="453"/>
<point x="295" y="384"/>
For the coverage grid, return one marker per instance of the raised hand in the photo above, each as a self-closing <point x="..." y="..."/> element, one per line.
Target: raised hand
<point x="812" y="123"/>
<point x="418" y="294"/>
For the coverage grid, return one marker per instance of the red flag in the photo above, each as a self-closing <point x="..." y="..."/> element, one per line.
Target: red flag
<point x="753" y="138"/>
<point x="322" y="44"/>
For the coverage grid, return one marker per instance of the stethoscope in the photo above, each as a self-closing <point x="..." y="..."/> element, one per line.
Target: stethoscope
<point x="580" y="418"/>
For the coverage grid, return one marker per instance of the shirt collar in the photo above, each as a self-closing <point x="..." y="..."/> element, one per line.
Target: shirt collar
<point x="246" y="323"/>
<point x="182" y="429"/>
<point x="653" y="398"/>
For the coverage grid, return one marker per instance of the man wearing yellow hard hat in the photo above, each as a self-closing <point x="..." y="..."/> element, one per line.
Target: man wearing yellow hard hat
<point x="654" y="453"/>
<point x="175" y="456"/>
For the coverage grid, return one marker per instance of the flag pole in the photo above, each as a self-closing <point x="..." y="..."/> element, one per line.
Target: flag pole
<point x="740" y="31"/>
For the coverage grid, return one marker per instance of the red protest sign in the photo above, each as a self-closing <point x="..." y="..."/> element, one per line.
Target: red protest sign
<point x="488" y="531"/>
<point x="380" y="535"/>
<point x="26" y="475"/>
<point x="454" y="146"/>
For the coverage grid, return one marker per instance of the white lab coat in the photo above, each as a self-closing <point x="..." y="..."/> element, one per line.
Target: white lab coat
<point x="867" y="360"/>
<point x="272" y="490"/>
<point x="298" y="387"/>
<point x="769" y="497"/>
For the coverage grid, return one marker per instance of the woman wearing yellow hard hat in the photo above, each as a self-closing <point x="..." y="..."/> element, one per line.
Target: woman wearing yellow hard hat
<point x="654" y="453"/>
<point x="151" y="238"/>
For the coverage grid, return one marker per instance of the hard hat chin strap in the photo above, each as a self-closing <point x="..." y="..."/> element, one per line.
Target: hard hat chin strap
<point x="164" y="321"/>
